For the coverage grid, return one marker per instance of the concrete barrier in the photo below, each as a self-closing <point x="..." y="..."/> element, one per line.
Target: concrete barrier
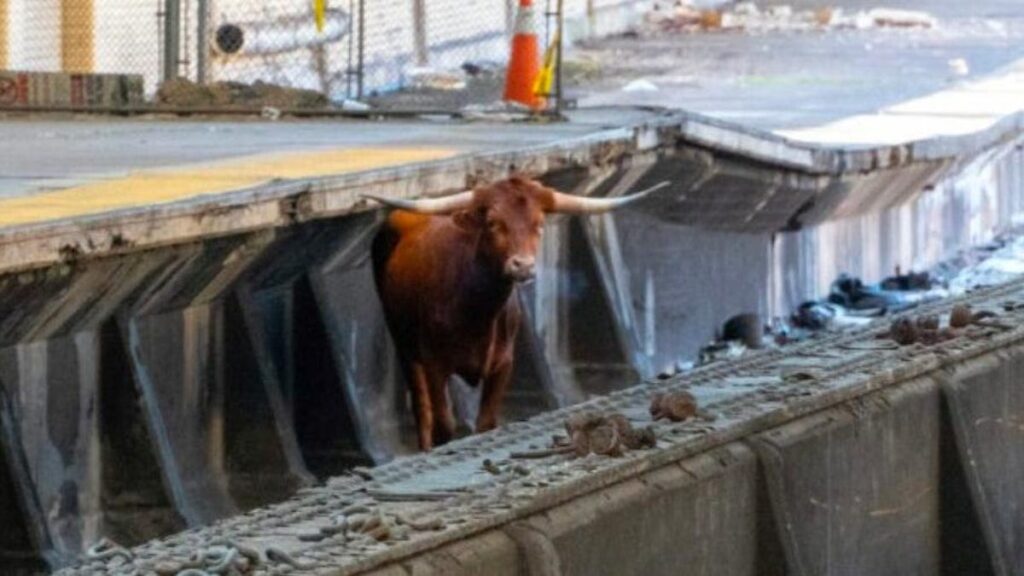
<point x="861" y="488"/>
<point x="856" y="489"/>
<point x="701" y="514"/>
<point x="985" y="406"/>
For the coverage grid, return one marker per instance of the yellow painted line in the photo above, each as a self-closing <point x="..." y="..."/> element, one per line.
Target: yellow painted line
<point x="77" y="35"/>
<point x="145" y="188"/>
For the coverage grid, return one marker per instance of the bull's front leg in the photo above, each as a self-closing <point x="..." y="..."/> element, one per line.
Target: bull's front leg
<point x="444" y="420"/>
<point x="492" y="396"/>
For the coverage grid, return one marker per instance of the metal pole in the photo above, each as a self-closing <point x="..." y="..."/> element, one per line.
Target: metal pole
<point x="510" y="18"/>
<point x="558" y="57"/>
<point x="547" y="26"/>
<point x="362" y="48"/>
<point x="419" y="31"/>
<point x="202" y="40"/>
<point x="172" y="38"/>
<point x="351" y="47"/>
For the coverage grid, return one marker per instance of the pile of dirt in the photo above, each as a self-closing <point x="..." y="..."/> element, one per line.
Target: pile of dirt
<point x="183" y="93"/>
<point x="443" y="91"/>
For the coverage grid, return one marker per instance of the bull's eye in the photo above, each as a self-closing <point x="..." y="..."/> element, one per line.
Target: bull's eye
<point x="496" y="226"/>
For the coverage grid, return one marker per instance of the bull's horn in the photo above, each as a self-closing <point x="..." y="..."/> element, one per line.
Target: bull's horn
<point x="442" y="205"/>
<point x="569" y="204"/>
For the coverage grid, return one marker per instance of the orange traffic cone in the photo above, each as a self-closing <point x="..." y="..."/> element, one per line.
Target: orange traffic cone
<point x="524" y="64"/>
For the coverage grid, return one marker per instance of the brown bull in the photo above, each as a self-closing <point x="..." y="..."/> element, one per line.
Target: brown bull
<point x="446" y="270"/>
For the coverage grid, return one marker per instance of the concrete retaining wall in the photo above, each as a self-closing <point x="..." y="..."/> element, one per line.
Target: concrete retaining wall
<point x="919" y="478"/>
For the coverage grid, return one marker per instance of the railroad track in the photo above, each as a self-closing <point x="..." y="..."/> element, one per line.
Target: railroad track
<point x="372" y="517"/>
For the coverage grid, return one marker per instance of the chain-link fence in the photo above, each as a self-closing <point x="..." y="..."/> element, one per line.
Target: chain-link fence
<point x="441" y="55"/>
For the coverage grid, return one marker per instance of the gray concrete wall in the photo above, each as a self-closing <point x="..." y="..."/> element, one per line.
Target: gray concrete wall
<point x="923" y="477"/>
<point x="912" y="223"/>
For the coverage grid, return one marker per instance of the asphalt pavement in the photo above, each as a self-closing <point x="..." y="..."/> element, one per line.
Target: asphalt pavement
<point x="787" y="79"/>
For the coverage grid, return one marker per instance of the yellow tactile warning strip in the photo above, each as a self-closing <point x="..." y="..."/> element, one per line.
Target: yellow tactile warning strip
<point x="184" y="182"/>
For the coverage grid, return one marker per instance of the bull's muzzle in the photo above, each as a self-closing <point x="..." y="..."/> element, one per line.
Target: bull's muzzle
<point x="521" y="268"/>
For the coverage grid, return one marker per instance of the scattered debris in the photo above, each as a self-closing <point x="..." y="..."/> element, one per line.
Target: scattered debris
<point x="675" y="406"/>
<point x="497" y="111"/>
<point x="490" y="467"/>
<point x="981" y="315"/>
<point x="500" y="468"/>
<point x="960" y="316"/>
<point x="350" y="105"/>
<point x="219" y="557"/>
<point x="538" y="454"/>
<point x="581" y="69"/>
<point x="907" y="282"/>
<point x="608" y="435"/>
<point x="596" y="433"/>
<point x="815" y="316"/>
<point x="801" y="374"/>
<point x="745" y="328"/>
<point x="927" y="329"/>
<point x="422" y="524"/>
<point x="640" y="85"/>
<point x="278" y="556"/>
<point x="720" y="350"/>
<point x="927" y="322"/>
<point x="854" y="295"/>
<point x="924" y="330"/>
<point x="959" y="67"/>
<point x="432" y="78"/>
<point x="681" y="16"/>
<point x="903" y="332"/>
<point x="868" y="345"/>
<point x="408" y="496"/>
<point x="851" y="304"/>
<point x="483" y="68"/>
<point x="105" y="549"/>
<point x="372" y="523"/>
<point x="893" y="18"/>
<point x="472" y="84"/>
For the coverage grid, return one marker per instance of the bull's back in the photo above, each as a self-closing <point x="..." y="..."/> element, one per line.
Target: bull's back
<point x="407" y="253"/>
<point x="399" y="231"/>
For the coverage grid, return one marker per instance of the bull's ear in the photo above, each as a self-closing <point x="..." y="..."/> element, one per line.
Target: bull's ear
<point x="469" y="219"/>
